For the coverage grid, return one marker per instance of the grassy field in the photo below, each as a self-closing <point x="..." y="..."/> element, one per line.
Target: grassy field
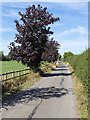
<point x="9" y="66"/>
<point x="15" y="86"/>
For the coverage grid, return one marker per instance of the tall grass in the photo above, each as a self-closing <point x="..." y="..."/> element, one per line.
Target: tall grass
<point x="11" y="87"/>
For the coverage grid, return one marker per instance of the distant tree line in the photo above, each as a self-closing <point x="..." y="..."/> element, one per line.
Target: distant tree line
<point x="66" y="55"/>
<point x="4" y="57"/>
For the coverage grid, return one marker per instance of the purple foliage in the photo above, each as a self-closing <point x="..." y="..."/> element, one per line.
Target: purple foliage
<point x="32" y="35"/>
<point x="51" y="51"/>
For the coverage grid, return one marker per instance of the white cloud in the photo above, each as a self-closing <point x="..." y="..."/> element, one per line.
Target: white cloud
<point x="16" y="5"/>
<point x="45" y="1"/>
<point x="74" y="40"/>
<point x="6" y="29"/>
<point x="56" y="25"/>
<point x="82" y="30"/>
<point x="77" y="45"/>
<point x="4" y="46"/>
<point x="79" y="29"/>
<point x="11" y="13"/>
<point x="76" y="5"/>
<point x="23" y="5"/>
<point x="81" y="7"/>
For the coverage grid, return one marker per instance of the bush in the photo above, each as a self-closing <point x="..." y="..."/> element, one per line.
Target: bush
<point x="80" y="66"/>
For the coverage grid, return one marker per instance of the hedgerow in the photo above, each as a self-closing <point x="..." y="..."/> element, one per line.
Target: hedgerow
<point x="80" y="66"/>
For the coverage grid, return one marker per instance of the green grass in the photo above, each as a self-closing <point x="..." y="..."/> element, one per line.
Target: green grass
<point x="80" y="66"/>
<point x="15" y="86"/>
<point x="80" y="94"/>
<point x="9" y="66"/>
<point x="44" y="63"/>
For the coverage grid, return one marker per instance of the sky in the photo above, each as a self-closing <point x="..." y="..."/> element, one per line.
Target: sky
<point x="71" y="31"/>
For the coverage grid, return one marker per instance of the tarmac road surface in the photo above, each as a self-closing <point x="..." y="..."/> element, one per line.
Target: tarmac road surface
<point x="51" y="97"/>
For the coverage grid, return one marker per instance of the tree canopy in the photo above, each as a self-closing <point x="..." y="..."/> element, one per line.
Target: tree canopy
<point x="51" y="51"/>
<point x="67" y="54"/>
<point x="32" y="35"/>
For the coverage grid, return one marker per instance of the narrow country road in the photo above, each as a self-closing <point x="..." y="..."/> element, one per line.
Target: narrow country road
<point x="51" y="97"/>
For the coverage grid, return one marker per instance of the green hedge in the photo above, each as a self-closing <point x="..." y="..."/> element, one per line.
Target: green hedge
<point x="80" y="66"/>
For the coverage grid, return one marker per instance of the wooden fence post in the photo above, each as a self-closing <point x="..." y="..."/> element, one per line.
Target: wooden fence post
<point x="5" y="76"/>
<point x="29" y="71"/>
<point x="12" y="74"/>
<point x="0" y="77"/>
<point x="19" y="73"/>
<point x="24" y="71"/>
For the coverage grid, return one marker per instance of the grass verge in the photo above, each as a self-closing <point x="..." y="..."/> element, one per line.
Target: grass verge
<point x="80" y="94"/>
<point x="13" y="87"/>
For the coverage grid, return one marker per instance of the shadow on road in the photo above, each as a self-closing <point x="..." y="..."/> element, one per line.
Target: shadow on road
<point x="60" y="69"/>
<point x="62" y="66"/>
<point x="35" y="93"/>
<point x="57" y="74"/>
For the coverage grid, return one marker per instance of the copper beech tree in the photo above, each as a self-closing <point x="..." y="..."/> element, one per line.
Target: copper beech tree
<point x="51" y="51"/>
<point x="32" y="35"/>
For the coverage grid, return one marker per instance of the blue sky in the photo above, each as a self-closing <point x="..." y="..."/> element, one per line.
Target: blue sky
<point x="71" y="31"/>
